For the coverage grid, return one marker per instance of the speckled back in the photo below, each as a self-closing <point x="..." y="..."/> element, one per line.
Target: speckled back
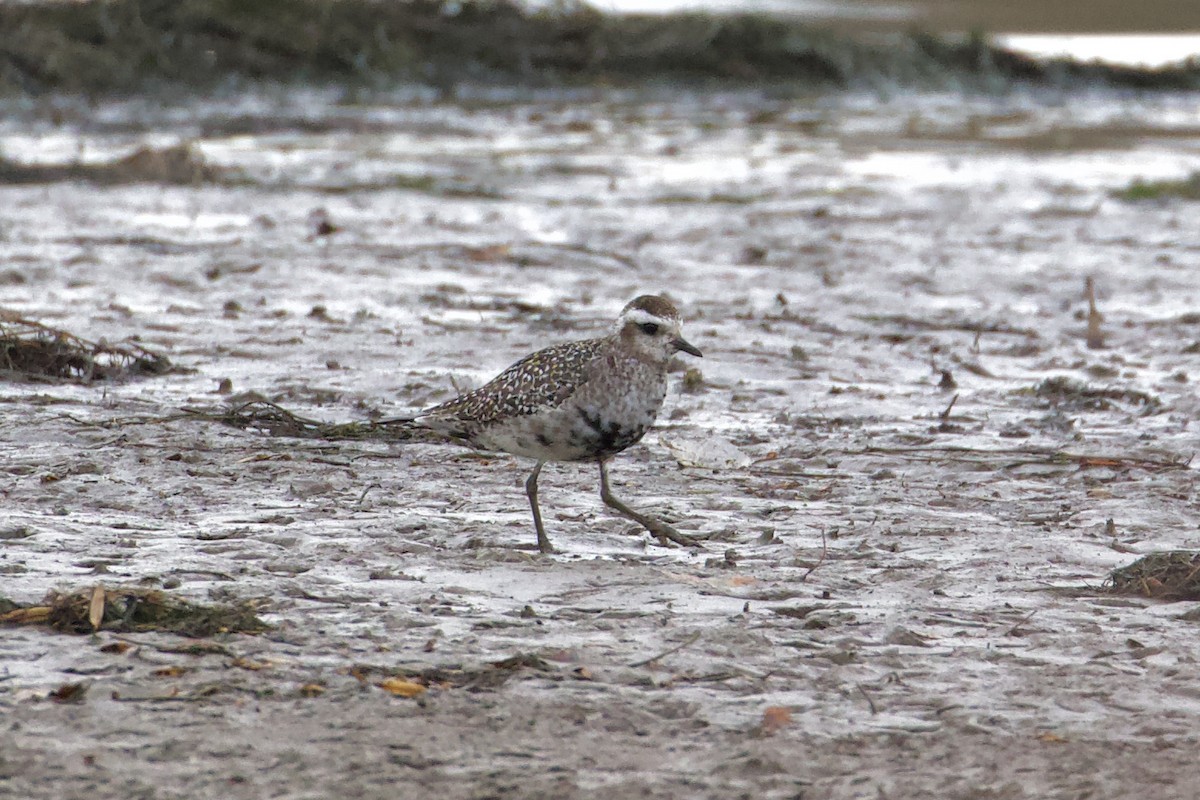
<point x="539" y="381"/>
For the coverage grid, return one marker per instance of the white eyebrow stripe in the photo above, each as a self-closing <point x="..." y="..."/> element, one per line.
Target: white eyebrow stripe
<point x="638" y="316"/>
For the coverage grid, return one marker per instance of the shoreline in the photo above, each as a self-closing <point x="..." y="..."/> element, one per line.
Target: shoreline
<point x="136" y="46"/>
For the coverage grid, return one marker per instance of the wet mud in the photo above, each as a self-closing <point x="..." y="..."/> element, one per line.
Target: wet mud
<point x="914" y="449"/>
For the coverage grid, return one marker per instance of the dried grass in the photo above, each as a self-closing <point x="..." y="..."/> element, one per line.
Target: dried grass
<point x="133" y="609"/>
<point x="32" y="350"/>
<point x="1169" y="575"/>
<point x="275" y="420"/>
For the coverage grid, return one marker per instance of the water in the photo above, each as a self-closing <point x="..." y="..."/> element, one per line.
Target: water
<point x="1150" y="39"/>
<point x="1142" y="50"/>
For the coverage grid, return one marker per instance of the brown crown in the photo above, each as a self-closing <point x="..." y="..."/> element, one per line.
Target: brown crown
<point x="653" y="304"/>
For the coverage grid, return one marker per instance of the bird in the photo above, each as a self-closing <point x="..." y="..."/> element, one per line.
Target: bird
<point x="584" y="400"/>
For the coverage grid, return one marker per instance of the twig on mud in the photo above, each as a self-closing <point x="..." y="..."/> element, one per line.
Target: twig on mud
<point x="507" y="250"/>
<point x="945" y="415"/>
<point x="915" y="323"/>
<point x="790" y="473"/>
<point x="363" y="496"/>
<point x="685" y="643"/>
<point x="867" y="697"/>
<point x="200" y="693"/>
<point x="125" y="422"/>
<point x="712" y="677"/>
<point x="591" y="251"/>
<point x="1031" y="456"/>
<point x="83" y="423"/>
<point x="821" y="560"/>
<point x="1002" y="458"/>
<point x="206" y="573"/>
<point x="316" y="598"/>
<point x="1015" y="630"/>
<point x="1122" y="548"/>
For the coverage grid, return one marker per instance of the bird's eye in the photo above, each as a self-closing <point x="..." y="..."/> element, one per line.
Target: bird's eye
<point x="649" y="328"/>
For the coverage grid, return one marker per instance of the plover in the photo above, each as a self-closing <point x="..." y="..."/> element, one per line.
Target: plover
<point x="579" y="401"/>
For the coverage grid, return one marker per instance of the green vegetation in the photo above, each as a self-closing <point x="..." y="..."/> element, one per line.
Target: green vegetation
<point x="1186" y="189"/>
<point x="122" y="46"/>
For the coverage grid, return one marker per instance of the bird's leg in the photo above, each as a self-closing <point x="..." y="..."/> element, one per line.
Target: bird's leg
<point x="657" y="527"/>
<point x="531" y="490"/>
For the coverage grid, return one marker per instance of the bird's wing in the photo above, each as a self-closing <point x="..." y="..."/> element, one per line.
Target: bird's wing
<point x="544" y="379"/>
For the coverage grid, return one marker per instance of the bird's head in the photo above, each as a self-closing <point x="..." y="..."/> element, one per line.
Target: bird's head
<point x="650" y="326"/>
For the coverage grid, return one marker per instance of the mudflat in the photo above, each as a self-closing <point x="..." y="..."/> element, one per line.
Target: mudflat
<point x="913" y="450"/>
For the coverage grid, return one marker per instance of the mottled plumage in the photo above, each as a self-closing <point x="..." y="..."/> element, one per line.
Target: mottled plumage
<point x="539" y="381"/>
<point x="580" y="401"/>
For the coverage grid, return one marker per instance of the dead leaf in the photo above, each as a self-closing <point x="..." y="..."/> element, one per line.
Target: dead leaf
<point x="312" y="690"/>
<point x="34" y="615"/>
<point x="1051" y="738"/>
<point x="775" y="718"/>
<point x="1099" y="461"/>
<point x="173" y="671"/>
<point x="69" y="693"/>
<point x="402" y="687"/>
<point x="245" y="663"/>
<point x="494" y="252"/>
<point x="96" y="607"/>
<point x="116" y="647"/>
